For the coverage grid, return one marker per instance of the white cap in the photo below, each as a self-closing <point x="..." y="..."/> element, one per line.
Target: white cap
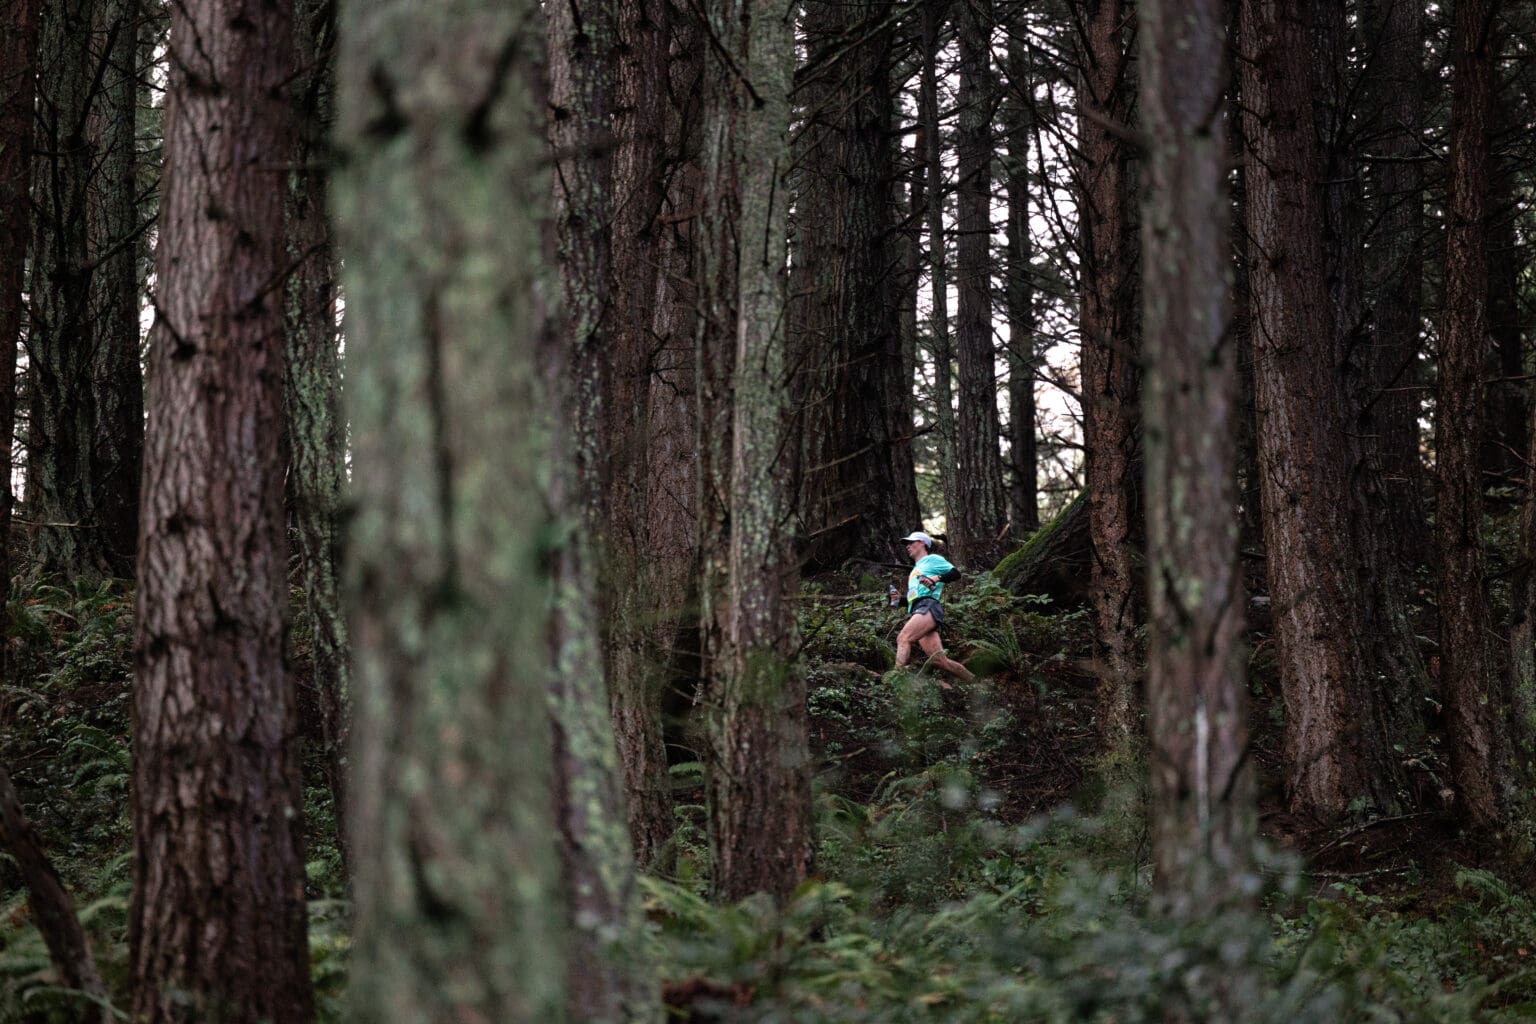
<point x="919" y="535"/>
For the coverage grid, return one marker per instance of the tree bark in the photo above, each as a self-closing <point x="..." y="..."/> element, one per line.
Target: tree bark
<point x="1394" y="98"/>
<point x="1398" y="682"/>
<point x="67" y="536"/>
<point x="1023" y="489"/>
<point x="18" y="75"/>
<point x="1466" y="674"/>
<point x="316" y="431"/>
<point x="648" y="549"/>
<point x="854" y="500"/>
<point x="117" y="448"/>
<point x="1251" y="504"/>
<point x="1333" y="755"/>
<point x="934" y="16"/>
<point x="1504" y="440"/>
<point x="441" y="211"/>
<point x="53" y="911"/>
<point x="605" y="979"/>
<point x="980" y="504"/>
<point x="1203" y="819"/>
<point x="217" y="925"/>
<point x="758" y="769"/>
<point x="1522" y="623"/>
<point x="1109" y="354"/>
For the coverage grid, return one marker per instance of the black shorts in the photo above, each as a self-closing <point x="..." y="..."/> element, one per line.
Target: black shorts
<point x="931" y="606"/>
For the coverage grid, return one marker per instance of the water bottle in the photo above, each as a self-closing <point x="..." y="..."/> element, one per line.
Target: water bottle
<point x="893" y="595"/>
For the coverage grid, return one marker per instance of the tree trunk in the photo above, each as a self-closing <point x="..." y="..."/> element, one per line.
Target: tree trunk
<point x="758" y="780"/>
<point x="1023" y="491"/>
<point x="316" y="431"/>
<point x="934" y="15"/>
<point x="911" y="197"/>
<point x="1109" y="353"/>
<point x="980" y="503"/>
<point x="1398" y="681"/>
<point x="1332" y="753"/>
<point x="217" y="926"/>
<point x="1522" y="631"/>
<point x="648" y="549"/>
<point x="117" y="451"/>
<point x="441" y="217"/>
<point x="1203" y="818"/>
<point x="1466" y="674"/>
<point x="605" y="978"/>
<point x="1504" y="440"/>
<point x="1252" y="517"/>
<point x="847" y="313"/>
<point x="53" y="911"/>
<point x="18" y="75"/>
<point x="67" y="536"/>
<point x="1394" y="97"/>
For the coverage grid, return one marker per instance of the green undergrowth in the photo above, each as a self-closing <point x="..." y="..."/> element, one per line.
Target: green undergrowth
<point x="64" y="734"/>
<point x="934" y="901"/>
<point x="972" y="864"/>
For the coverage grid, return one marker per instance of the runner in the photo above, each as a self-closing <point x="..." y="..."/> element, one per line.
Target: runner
<point x="925" y="613"/>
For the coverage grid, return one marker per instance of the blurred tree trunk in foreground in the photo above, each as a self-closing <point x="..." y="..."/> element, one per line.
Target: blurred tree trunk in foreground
<point x="1203" y="817"/>
<point x="440" y="211"/>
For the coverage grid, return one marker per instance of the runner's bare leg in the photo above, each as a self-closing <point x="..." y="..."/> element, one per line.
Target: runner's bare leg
<point x="933" y="646"/>
<point x="912" y="632"/>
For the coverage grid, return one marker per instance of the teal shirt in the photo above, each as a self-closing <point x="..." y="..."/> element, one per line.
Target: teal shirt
<point x="929" y="565"/>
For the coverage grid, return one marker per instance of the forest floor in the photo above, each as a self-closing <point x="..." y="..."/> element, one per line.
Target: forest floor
<point x="973" y="865"/>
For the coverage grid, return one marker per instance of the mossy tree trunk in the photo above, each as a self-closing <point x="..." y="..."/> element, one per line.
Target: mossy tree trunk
<point x="606" y="980"/>
<point x="1466" y="672"/>
<point x="758" y="766"/>
<point x="441" y="218"/>
<point x="316" y="430"/>
<point x="980" y="503"/>
<point x="217" y="924"/>
<point x="1203" y="818"/>
<point x="1109" y="354"/>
